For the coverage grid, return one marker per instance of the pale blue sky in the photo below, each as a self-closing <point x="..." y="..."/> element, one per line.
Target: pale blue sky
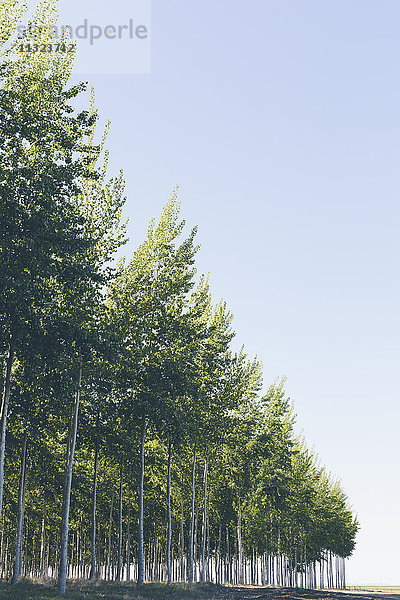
<point x="279" y="119"/>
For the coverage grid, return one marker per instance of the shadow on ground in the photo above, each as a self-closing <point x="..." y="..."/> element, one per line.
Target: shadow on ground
<point x="152" y="591"/>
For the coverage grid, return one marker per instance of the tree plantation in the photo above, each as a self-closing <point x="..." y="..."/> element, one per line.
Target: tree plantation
<point x="136" y="444"/>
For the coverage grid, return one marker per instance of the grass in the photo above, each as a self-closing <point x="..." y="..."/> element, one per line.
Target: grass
<point x="378" y="588"/>
<point x="83" y="590"/>
<point x="108" y="591"/>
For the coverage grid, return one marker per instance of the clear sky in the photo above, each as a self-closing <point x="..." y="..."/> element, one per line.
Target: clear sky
<point x="279" y="119"/>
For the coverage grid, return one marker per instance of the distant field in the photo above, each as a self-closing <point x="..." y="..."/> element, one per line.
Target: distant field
<point x="373" y="588"/>
<point x="152" y="591"/>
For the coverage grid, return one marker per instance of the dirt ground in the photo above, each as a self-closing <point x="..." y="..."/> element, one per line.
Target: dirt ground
<point x="113" y="591"/>
<point x="267" y="593"/>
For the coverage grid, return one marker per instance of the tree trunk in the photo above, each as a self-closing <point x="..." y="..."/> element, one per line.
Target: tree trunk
<point x="20" y="519"/>
<point x="344" y="573"/>
<point x="43" y="544"/>
<point x="155" y="560"/>
<point x="3" y="415"/>
<point x="140" y="579"/>
<point x="204" y="531"/>
<point x="279" y="565"/>
<point x="195" y="545"/>
<point x="62" y="575"/>
<point x="119" y="565"/>
<point x="109" y="539"/>
<point x="218" y="557"/>
<point x="128" y="544"/>
<point x="228" y="576"/>
<point x="24" y="552"/>
<point x="169" y="521"/>
<point x="208" y="546"/>
<point x="182" y="545"/>
<point x="240" y="547"/>
<point x="2" y="546"/>
<point x="191" y="541"/>
<point x="94" y="503"/>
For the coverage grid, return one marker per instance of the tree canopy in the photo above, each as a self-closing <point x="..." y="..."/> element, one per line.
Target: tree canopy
<point x="135" y="441"/>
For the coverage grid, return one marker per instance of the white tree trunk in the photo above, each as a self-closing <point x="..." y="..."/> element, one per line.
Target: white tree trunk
<point x="20" y="519"/>
<point x="119" y="565"/>
<point x="240" y="547"/>
<point x="110" y="530"/>
<point x="169" y="521"/>
<point x="344" y="573"/>
<point x="3" y="416"/>
<point x="140" y="579"/>
<point x="43" y="544"/>
<point x="191" y="541"/>
<point x="182" y="545"/>
<point x="128" y="544"/>
<point x="94" y="502"/>
<point x="62" y="574"/>
<point x="204" y="531"/>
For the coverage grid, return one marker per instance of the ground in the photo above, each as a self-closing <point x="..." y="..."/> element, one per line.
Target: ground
<point x="114" y="591"/>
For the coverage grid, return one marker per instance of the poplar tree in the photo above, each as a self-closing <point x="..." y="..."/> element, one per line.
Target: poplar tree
<point x="57" y="228"/>
<point x="147" y="361"/>
<point x="147" y="305"/>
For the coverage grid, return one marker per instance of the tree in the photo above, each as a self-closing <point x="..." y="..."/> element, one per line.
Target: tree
<point x="145" y="359"/>
<point x="50" y="242"/>
<point x="147" y="306"/>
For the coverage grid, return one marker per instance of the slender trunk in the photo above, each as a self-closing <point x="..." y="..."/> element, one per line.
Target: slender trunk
<point x="2" y="546"/>
<point x="169" y="521"/>
<point x="62" y="575"/>
<point x="128" y="544"/>
<point x="33" y="565"/>
<point x="229" y="576"/>
<point x="208" y="546"/>
<point x="218" y="555"/>
<point x="344" y="573"/>
<point x="204" y="532"/>
<point x="182" y="544"/>
<point x="79" y="551"/>
<point x="20" y="519"/>
<point x="235" y="569"/>
<point x="195" y="545"/>
<point x="119" y="565"/>
<point x="3" y="415"/>
<point x="42" y="543"/>
<point x="240" y="549"/>
<point x="191" y="541"/>
<point x="321" y="572"/>
<point x="140" y="579"/>
<point x="278" y="564"/>
<point x="112" y="562"/>
<point x="98" y="563"/>
<point x="305" y="565"/>
<point x="94" y="503"/>
<point x="155" y="563"/>
<point x="109" y="539"/>
<point x="25" y="562"/>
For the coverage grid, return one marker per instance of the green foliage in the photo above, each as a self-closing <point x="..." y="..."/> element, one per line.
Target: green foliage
<point x="155" y="348"/>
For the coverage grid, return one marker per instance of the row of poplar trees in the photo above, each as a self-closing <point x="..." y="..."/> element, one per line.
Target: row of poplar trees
<point x="134" y="443"/>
